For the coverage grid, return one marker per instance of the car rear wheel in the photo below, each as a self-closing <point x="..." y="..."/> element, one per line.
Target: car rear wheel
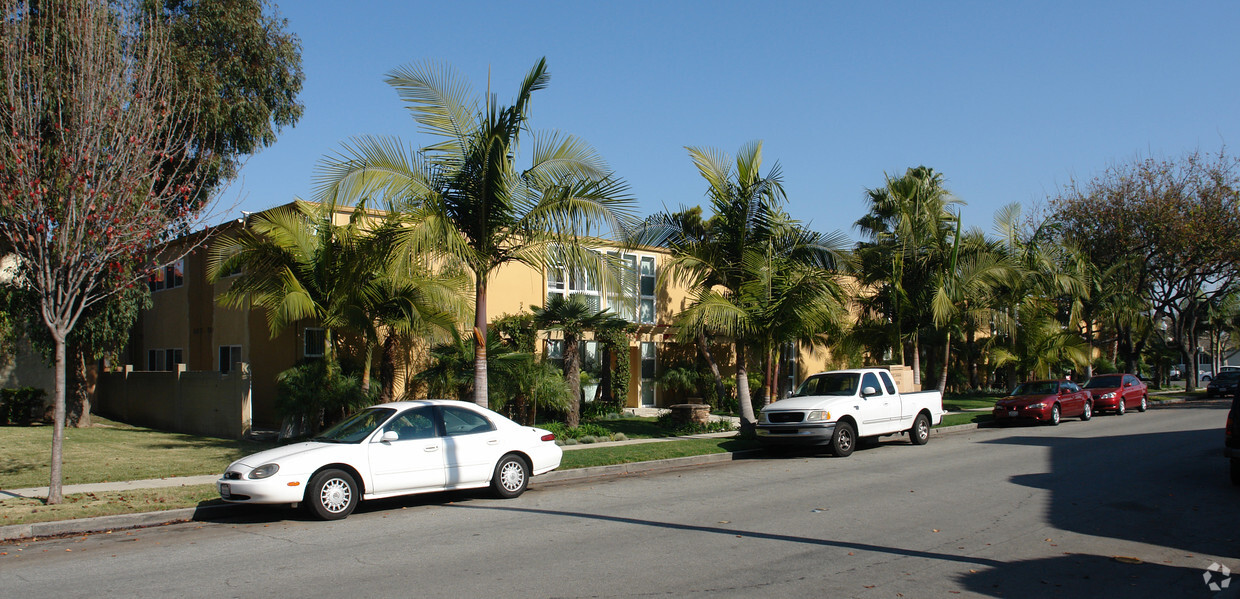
<point x="1145" y="404"/>
<point x="1088" y="413"/>
<point x="1055" y="415"/>
<point x="511" y="477"/>
<point x="1121" y="406"/>
<point x="920" y="433"/>
<point x="332" y="494"/>
<point x="843" y="440"/>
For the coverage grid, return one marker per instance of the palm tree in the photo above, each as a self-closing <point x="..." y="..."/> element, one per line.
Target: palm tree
<point x="573" y="317"/>
<point x="297" y="264"/>
<point x="733" y="269"/>
<point x="466" y="199"/>
<point x="965" y="299"/>
<point x="909" y="227"/>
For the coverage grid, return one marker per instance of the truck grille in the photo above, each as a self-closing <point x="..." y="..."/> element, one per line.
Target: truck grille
<point x="785" y="417"/>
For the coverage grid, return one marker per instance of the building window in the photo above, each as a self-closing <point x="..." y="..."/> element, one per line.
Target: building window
<point x="648" y="384"/>
<point x="230" y="355"/>
<point x="645" y="288"/>
<point x="168" y="277"/>
<point x="315" y="342"/>
<point x="163" y="359"/>
<point x="572" y="284"/>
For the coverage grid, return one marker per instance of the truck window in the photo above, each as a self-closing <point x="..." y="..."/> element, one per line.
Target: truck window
<point x="888" y="383"/>
<point x="835" y="383"/>
<point x="870" y="381"/>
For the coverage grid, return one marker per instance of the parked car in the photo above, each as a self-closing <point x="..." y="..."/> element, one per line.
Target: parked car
<point x="394" y="449"/>
<point x="1045" y="401"/>
<point x="1231" y="443"/>
<point x="1224" y="384"/>
<point x="1174" y="373"/>
<point x="1118" y="392"/>
<point x="837" y="408"/>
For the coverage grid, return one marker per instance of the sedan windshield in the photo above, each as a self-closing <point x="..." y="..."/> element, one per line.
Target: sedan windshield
<point x="1037" y="388"/>
<point x="835" y="383"/>
<point x="1103" y="382"/>
<point x="357" y="427"/>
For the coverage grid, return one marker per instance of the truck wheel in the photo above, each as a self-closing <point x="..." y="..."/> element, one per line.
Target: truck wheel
<point x="844" y="440"/>
<point x="920" y="433"/>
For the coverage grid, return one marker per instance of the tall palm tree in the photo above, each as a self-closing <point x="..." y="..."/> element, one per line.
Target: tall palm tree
<point x="573" y="317"/>
<point x="732" y="270"/>
<point x="466" y="198"/>
<point x="965" y="299"/>
<point x="909" y="229"/>
<point x="297" y="264"/>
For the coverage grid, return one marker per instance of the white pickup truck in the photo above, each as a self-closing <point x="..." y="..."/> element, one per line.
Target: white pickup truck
<point x="836" y="408"/>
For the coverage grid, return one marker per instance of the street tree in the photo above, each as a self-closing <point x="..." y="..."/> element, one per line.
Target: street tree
<point x="90" y="171"/>
<point x="467" y="200"/>
<point x="572" y="316"/>
<point x="1176" y="218"/>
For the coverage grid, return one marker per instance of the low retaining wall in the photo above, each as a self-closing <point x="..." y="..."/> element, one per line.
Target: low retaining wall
<point x="197" y="403"/>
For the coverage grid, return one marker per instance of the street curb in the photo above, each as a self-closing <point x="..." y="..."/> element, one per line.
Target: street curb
<point x="138" y="520"/>
<point x="114" y="522"/>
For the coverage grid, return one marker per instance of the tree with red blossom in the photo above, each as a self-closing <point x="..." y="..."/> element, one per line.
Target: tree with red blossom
<point x="92" y="168"/>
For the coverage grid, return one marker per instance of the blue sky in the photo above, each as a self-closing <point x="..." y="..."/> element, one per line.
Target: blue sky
<point x="1008" y="100"/>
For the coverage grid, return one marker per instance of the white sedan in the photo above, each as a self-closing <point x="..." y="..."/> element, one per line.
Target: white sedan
<point x="394" y="449"/>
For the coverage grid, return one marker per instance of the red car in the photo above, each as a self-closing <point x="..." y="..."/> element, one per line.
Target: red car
<point x="1118" y="392"/>
<point x="1045" y="401"/>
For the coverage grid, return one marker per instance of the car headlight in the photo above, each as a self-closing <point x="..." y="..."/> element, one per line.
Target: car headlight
<point x="1110" y="395"/>
<point x="818" y="416"/>
<point x="1036" y="406"/>
<point x="264" y="471"/>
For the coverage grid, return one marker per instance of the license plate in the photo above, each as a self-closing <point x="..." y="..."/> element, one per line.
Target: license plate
<point x="225" y="490"/>
<point x="1012" y="413"/>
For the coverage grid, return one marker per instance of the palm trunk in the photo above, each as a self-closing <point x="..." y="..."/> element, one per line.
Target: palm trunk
<point x="572" y="372"/>
<point x="704" y="348"/>
<point x="480" y="342"/>
<point x="744" y="405"/>
<point x="370" y="352"/>
<point x="947" y="350"/>
<point x="916" y="362"/>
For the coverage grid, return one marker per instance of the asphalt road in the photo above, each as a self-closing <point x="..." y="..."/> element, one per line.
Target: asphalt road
<point x="1011" y="512"/>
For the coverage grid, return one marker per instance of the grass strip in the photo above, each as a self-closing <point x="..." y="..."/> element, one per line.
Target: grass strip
<point x="21" y="510"/>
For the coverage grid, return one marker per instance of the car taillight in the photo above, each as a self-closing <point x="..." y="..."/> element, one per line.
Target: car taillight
<point x="548" y="437"/>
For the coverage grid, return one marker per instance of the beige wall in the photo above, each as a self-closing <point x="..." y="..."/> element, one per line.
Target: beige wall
<point x="198" y="403"/>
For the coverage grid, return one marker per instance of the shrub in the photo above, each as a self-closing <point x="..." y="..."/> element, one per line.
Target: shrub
<point x="22" y="406"/>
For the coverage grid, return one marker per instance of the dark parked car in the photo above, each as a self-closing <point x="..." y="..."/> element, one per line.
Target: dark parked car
<point x="1231" y="446"/>
<point x="1118" y="392"/>
<point x="1224" y="384"/>
<point x="1045" y="401"/>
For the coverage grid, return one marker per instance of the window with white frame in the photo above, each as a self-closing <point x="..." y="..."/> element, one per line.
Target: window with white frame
<point x="163" y="359"/>
<point x="168" y="277"/>
<point x="648" y="396"/>
<point x="572" y="284"/>
<point x="645" y="291"/>
<point x="230" y="355"/>
<point x="315" y="342"/>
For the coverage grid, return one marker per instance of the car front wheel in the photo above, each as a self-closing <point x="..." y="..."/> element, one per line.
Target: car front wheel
<point x="843" y="440"/>
<point x="511" y="477"/>
<point x="332" y="494"/>
<point x="1121" y="407"/>
<point x="1055" y="415"/>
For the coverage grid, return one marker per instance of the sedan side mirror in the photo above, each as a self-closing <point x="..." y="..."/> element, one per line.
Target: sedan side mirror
<point x="389" y="436"/>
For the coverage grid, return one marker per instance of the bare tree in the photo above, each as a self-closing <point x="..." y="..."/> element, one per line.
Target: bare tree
<point x="90" y="179"/>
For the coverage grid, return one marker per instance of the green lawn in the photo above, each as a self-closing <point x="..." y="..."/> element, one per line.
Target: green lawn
<point x="111" y="451"/>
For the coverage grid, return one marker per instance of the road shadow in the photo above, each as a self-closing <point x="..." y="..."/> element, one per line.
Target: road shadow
<point x="1079" y="575"/>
